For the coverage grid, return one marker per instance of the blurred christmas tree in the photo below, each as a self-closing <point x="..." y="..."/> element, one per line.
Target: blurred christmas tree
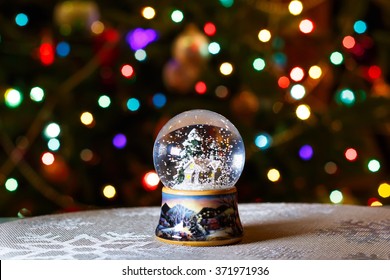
<point x="86" y="85"/>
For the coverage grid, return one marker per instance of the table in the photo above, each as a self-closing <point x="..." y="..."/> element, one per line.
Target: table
<point x="271" y="231"/>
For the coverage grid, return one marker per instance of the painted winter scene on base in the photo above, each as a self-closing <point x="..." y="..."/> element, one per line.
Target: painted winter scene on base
<point x="199" y="218"/>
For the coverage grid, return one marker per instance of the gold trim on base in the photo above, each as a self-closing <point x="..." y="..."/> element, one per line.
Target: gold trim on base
<point x="202" y="243"/>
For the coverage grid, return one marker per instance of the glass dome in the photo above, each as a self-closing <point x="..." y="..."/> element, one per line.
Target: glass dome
<point x="199" y="150"/>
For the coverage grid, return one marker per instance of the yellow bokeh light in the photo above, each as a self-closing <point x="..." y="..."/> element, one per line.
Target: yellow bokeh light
<point x="315" y="72"/>
<point x="384" y="190"/>
<point x="148" y="12"/>
<point x="109" y="191"/>
<point x="226" y="68"/>
<point x="303" y="112"/>
<point x="97" y="27"/>
<point x="273" y="175"/>
<point x="264" y="35"/>
<point x="376" y="203"/>
<point x="86" y="118"/>
<point x="295" y="7"/>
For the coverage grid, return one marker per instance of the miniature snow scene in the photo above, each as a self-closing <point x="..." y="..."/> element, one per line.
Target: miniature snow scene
<point x="199" y="150"/>
<point x="199" y="156"/>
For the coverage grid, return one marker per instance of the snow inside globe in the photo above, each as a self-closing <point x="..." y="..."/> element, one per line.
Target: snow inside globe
<point x="199" y="150"/>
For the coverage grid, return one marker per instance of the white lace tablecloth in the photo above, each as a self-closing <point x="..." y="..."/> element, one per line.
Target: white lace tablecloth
<point x="271" y="231"/>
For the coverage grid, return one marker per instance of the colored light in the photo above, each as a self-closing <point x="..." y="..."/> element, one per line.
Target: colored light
<point x="47" y="158"/>
<point x="21" y="19"/>
<point x="336" y="58"/>
<point x="298" y="91"/>
<point x="346" y="97"/>
<point x="200" y="87"/>
<point x="140" y="55"/>
<point x="330" y="167"/>
<point x="11" y="184"/>
<point x="349" y="42"/>
<point x="104" y="101"/>
<point x="109" y="191"/>
<point x="273" y="175"/>
<point x="13" y="98"/>
<point x="259" y="64"/>
<point x="133" y="104"/>
<point x="53" y="144"/>
<point x="226" y="68"/>
<point x="46" y="54"/>
<point x="306" y="26"/>
<point x="283" y="82"/>
<point x="295" y="7"/>
<point x="52" y="130"/>
<point x="221" y="91"/>
<point x="97" y="27"/>
<point x="159" y="100"/>
<point x="86" y="155"/>
<point x="148" y="12"/>
<point x="315" y="72"/>
<point x="297" y="74"/>
<point x="263" y="141"/>
<point x="127" y="71"/>
<point x="150" y="181"/>
<point x="139" y="38"/>
<point x="63" y="49"/>
<point x="86" y="118"/>
<point x="336" y="196"/>
<point x="119" y="141"/>
<point x="374" y="165"/>
<point x="303" y="112"/>
<point x="210" y="29"/>
<point x="177" y="16"/>
<point x="280" y="59"/>
<point x="376" y="204"/>
<point x="374" y="72"/>
<point x="306" y="152"/>
<point x="384" y="190"/>
<point x="360" y="27"/>
<point x="264" y="35"/>
<point x="37" y="94"/>
<point x="226" y="3"/>
<point x="214" y="48"/>
<point x="351" y="154"/>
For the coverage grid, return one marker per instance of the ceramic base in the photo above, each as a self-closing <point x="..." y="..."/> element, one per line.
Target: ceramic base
<point x="199" y="218"/>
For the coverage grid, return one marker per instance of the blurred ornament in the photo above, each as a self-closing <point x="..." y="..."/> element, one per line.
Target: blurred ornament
<point x="245" y="105"/>
<point x="77" y="15"/>
<point x="191" y="47"/>
<point x="180" y="77"/>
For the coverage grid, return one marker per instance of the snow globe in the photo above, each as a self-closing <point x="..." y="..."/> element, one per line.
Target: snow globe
<point x="199" y="156"/>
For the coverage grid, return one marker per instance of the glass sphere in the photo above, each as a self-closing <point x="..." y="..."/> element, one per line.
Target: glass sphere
<point x="199" y="150"/>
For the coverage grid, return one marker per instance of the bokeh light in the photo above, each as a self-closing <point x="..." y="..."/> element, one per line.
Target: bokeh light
<point x="210" y="29"/>
<point x="264" y="35"/>
<point x="200" y="87"/>
<point x="150" y="181"/>
<point x="374" y="72"/>
<point x="297" y="74"/>
<point x="303" y="112"/>
<point x="86" y="118"/>
<point x="221" y="91"/>
<point x="226" y="3"/>
<point x="52" y="130"/>
<point x="374" y="165"/>
<point x="349" y="42"/>
<point x="127" y="71"/>
<point x="384" y="190"/>
<point x="214" y="48"/>
<point x="306" y="26"/>
<point x="345" y="97"/>
<point x="336" y="197"/>
<point x="330" y="167"/>
<point x="226" y="68"/>
<point x="46" y="53"/>
<point x="159" y="100"/>
<point x="273" y="175"/>
<point x="104" y="101"/>
<point x="259" y="64"/>
<point x="376" y="204"/>
<point x="295" y="7"/>
<point x="86" y="155"/>
<point x="63" y="49"/>
<point x="53" y="144"/>
<point x="97" y="27"/>
<point x="336" y="58"/>
<point x="306" y="152"/>
<point x="351" y="154"/>
<point x="21" y="19"/>
<point x="47" y="158"/>
<point x="148" y="12"/>
<point x="263" y="141"/>
<point x="119" y="141"/>
<point x="177" y="16"/>
<point x="37" y="94"/>
<point x="283" y="82"/>
<point x="315" y="72"/>
<point x="297" y="91"/>
<point x="109" y="191"/>
<point x="360" y="27"/>
<point x="13" y="98"/>
<point x="11" y="184"/>
<point x="133" y="104"/>
<point x="140" y="55"/>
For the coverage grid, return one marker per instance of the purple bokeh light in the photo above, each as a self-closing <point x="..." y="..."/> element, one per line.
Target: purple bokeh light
<point x="119" y="141"/>
<point x="306" y="152"/>
<point x="139" y="38"/>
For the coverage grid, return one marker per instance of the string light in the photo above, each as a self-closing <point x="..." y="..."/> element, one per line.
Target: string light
<point x="298" y="91"/>
<point x="315" y="72"/>
<point x="13" y="98"/>
<point x="52" y="130"/>
<point x="273" y="175"/>
<point x="349" y="42"/>
<point x="159" y="100"/>
<point x="374" y="72"/>
<point x="177" y="16"/>
<point x="119" y="141"/>
<point x="37" y="94"/>
<point x="259" y="64"/>
<point x="226" y="68"/>
<point x="283" y="82"/>
<point x="97" y="27"/>
<point x="345" y="97"/>
<point x="336" y="58"/>
<point x="303" y="112"/>
<point x="150" y="181"/>
<point x="351" y="154"/>
<point x="306" y="152"/>
<point x="63" y="49"/>
<point x="104" y="101"/>
<point x="214" y="48"/>
<point x="140" y="55"/>
<point x="263" y="141"/>
<point x="127" y="71"/>
<point x="384" y="190"/>
<point x="53" y="144"/>
<point x="21" y="19"/>
<point x="148" y="12"/>
<point x="11" y="184"/>
<point x="133" y="104"/>
<point x="87" y="119"/>
<point x="373" y="165"/>
<point x="306" y="26"/>
<point x="200" y="87"/>
<point x="210" y="29"/>
<point x="48" y="158"/>
<point x="46" y="54"/>
<point x="264" y="35"/>
<point x="295" y="7"/>
<point x="297" y="74"/>
<point x="336" y="197"/>
<point x="360" y="27"/>
<point x="109" y="191"/>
